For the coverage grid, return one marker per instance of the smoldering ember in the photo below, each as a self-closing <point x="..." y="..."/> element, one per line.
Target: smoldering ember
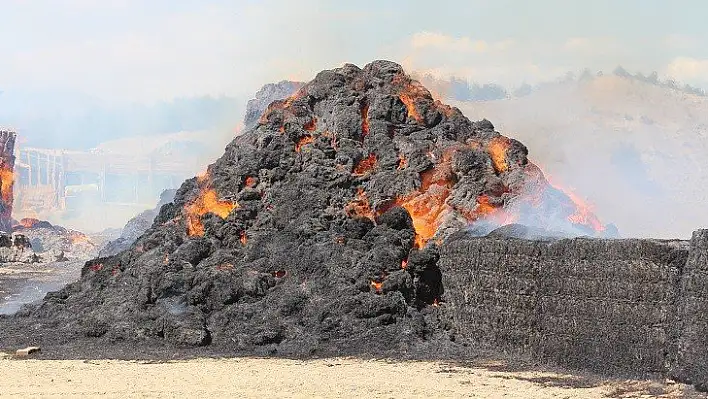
<point x="359" y="216"/>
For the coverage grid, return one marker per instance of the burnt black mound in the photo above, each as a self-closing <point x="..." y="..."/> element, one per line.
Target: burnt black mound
<point x="317" y="232"/>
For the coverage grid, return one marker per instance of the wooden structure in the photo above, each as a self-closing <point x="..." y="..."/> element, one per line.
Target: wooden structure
<point x="50" y="179"/>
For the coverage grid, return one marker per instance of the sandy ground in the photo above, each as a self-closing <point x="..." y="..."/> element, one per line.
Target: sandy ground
<point x="326" y="378"/>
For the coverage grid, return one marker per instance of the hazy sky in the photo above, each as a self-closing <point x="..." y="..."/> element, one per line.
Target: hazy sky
<point x="147" y="50"/>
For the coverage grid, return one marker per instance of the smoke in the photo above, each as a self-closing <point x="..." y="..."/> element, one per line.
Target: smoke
<point x="30" y="293"/>
<point x="635" y="151"/>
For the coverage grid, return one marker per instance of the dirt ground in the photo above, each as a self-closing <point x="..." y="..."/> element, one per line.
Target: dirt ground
<point x="325" y="378"/>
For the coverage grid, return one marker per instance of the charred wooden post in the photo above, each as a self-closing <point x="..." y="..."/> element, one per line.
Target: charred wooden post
<point x="7" y="177"/>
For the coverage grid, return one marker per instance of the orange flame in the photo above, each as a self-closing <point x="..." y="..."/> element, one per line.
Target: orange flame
<point x="28" y="222"/>
<point x="365" y="119"/>
<point x="7" y="176"/>
<point x="483" y="205"/>
<point x="365" y="165"/>
<point x="447" y="110"/>
<point x="409" y="101"/>
<point x="404" y="263"/>
<point x="410" y="91"/>
<point x="485" y="209"/>
<point x="377" y="285"/>
<point x="304" y="140"/>
<point x="497" y="149"/>
<point x="425" y="206"/>
<point x="243" y="238"/>
<point x="425" y="210"/>
<point x="583" y="212"/>
<point x="206" y="202"/>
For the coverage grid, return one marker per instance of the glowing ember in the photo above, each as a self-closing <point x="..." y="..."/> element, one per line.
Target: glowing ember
<point x="311" y="126"/>
<point x="365" y="165"/>
<point x="409" y="93"/>
<point x="28" y="222"/>
<point x="280" y="105"/>
<point x="483" y="205"/>
<point x="365" y="119"/>
<point x="425" y="211"/>
<point x="96" y="267"/>
<point x="377" y="285"/>
<point x="279" y="273"/>
<point x="402" y="162"/>
<point x="425" y="206"/>
<point x="497" y="149"/>
<point x="404" y="264"/>
<point x="304" y="140"/>
<point x="225" y="266"/>
<point x="360" y="207"/>
<point x="251" y="181"/>
<point x="243" y="238"/>
<point x="206" y="202"/>
<point x="79" y="238"/>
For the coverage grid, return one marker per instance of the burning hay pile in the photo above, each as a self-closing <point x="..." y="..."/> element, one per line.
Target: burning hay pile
<point x="55" y="243"/>
<point x="318" y="230"/>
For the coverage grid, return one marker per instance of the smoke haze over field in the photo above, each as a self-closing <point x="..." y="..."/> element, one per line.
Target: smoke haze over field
<point x="636" y="151"/>
<point x="133" y="50"/>
<point x="78" y="73"/>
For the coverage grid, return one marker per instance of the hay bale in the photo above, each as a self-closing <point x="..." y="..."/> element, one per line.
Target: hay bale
<point x="691" y="364"/>
<point x="585" y="303"/>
